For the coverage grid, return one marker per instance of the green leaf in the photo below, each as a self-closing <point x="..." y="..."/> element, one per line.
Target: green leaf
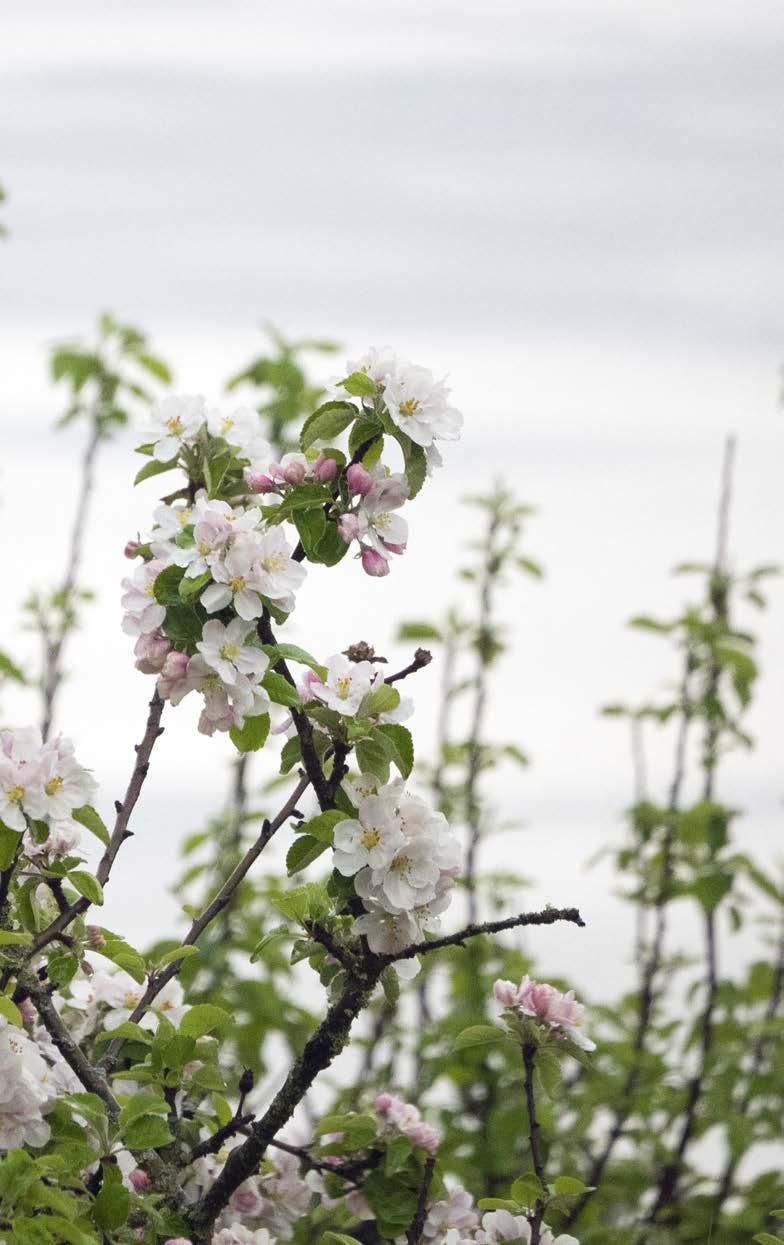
<point x="303" y="851"/>
<point x="14" y="938"/>
<point x="359" y="384"/>
<point x="418" y="631"/>
<point x="373" y="758"/>
<point x="9" y="844"/>
<point x="90" y="1107"/>
<point x="280" y="690"/>
<point x="10" y="1011"/>
<point x="364" y="430"/>
<point x="153" y="468"/>
<point x="178" y="953"/>
<point x="415" y="462"/>
<point x="311" y="526"/>
<point x="87" y="885"/>
<point x="337" y="1238"/>
<point x="203" y="1018"/>
<point x="183" y="626"/>
<point x="10" y="670"/>
<point x="273" y="935"/>
<point x="188" y="588"/>
<point x="92" y="821"/>
<point x="570" y="1186"/>
<point x="390" y="984"/>
<point x="148" y="1133"/>
<point x="167" y="586"/>
<point x="153" y="365"/>
<point x="253" y="735"/>
<point x="765" y="1238"/>
<point x="528" y="1189"/>
<point x="128" y="1030"/>
<point x="322" y="826"/>
<point x="291" y="753"/>
<point x="310" y="901"/>
<point x="111" y="1206"/>
<point x="479" y="1035"/>
<point x="398" y="1153"/>
<point x="711" y="889"/>
<point x="327" y="422"/>
<point x="499" y="1203"/>
<point x="143" y="1102"/>
<point x="292" y="652"/>
<point x="400" y="746"/>
<point x="382" y="699"/>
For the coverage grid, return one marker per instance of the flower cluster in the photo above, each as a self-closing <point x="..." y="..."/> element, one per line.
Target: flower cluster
<point x="178" y="423"/>
<point x="263" y="1209"/>
<point x="41" y="786"/>
<point x="371" y="519"/>
<point x="559" y="1014"/>
<point x="108" y="996"/>
<point x="404" y="859"/>
<point x="417" y="403"/>
<point x="501" y="1226"/>
<point x="404" y="1118"/>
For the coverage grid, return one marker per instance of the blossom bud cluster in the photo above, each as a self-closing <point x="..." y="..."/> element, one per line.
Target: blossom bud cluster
<point x="404" y="859"/>
<point x="403" y="1117"/>
<point x="32" y="1075"/>
<point x="42" y="783"/>
<point x="554" y="1013"/>
<point x="265" y="1208"/>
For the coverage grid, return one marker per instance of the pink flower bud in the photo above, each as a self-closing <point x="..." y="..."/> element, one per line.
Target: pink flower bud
<point x="424" y="1135"/>
<point x="178" y="1240"/>
<point x="383" y="1103"/>
<point x="276" y="471"/>
<point x="505" y="993"/>
<point x="324" y="470"/>
<point x="394" y="548"/>
<point x="27" y="1011"/>
<point x="151" y="652"/>
<point x="348" y="527"/>
<point x="131" y="549"/>
<point x="173" y="673"/>
<point x="374" y="564"/>
<point x="139" y="1179"/>
<point x="359" y="480"/>
<point x="294" y="473"/>
<point x="95" y="937"/>
<point x="257" y="482"/>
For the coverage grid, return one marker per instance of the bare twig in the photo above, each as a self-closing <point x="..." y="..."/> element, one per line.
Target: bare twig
<point x="52" y="675"/>
<point x="120" y="832"/>
<point x="416" y="1227"/>
<point x="213" y="908"/>
<point x="548" y="916"/>
<point x="422" y="658"/>
<point x="529" y="1060"/>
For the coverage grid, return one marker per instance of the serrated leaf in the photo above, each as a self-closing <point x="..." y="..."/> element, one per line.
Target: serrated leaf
<point x="400" y="746"/>
<point x="204" y="1018"/>
<point x="383" y="699"/>
<point x="359" y="384"/>
<point x="303" y="851"/>
<point x="570" y="1186"/>
<point x="179" y="953"/>
<point x="273" y="935"/>
<point x="87" y="885"/>
<point x="253" y="735"/>
<point x="92" y="821"/>
<point x="280" y="690"/>
<point x="153" y="468"/>
<point x="327" y="422"/>
<point x="373" y="758"/>
<point x="479" y="1035"/>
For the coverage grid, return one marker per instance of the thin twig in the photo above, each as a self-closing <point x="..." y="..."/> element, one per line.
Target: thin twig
<point x="529" y="1060"/>
<point x="91" y="1078"/>
<point x="213" y="908"/>
<point x="422" y="658"/>
<point x="416" y="1227"/>
<point x="548" y="916"/>
<point x="120" y="832"/>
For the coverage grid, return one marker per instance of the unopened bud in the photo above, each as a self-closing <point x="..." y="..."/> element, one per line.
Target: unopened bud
<point x="374" y="564"/>
<point x="139" y="1179"/>
<point x="359" y="480"/>
<point x="324" y="470"/>
<point x="383" y="1103"/>
<point x="131" y="549"/>
<point x="348" y="527"/>
<point x="95" y="937"/>
<point x="258" y="482"/>
<point x="27" y="1011"/>
<point x="294" y="473"/>
<point x="246" y="1081"/>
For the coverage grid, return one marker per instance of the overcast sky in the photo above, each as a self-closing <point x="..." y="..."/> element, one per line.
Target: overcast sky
<point x="574" y="209"/>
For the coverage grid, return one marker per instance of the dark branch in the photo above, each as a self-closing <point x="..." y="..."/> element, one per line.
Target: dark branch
<point x="414" y="1231"/>
<point x="548" y="916"/>
<point x="422" y="658"/>
<point x="91" y="1078"/>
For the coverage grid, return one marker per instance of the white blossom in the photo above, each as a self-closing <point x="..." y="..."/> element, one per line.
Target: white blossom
<point x="24" y="1092"/>
<point x="419" y="405"/>
<point x="371" y="840"/>
<point x="143" y="614"/>
<point x="175" y="422"/>
<point x="346" y="685"/>
<point x="225" y="650"/>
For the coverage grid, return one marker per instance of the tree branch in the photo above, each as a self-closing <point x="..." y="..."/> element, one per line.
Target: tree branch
<point x="91" y="1078"/>
<point x="323" y="1046"/>
<point x="414" y="1231"/>
<point x="120" y="832"/>
<point x="529" y="1060"/>
<point x="216" y="905"/>
<point x="422" y="658"/>
<point x="548" y="916"/>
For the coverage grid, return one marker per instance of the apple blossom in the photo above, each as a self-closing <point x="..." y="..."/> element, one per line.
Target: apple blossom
<point x="418" y="404"/>
<point x="151" y="651"/>
<point x="346" y="685"/>
<point x="224" y="649"/>
<point x="359" y="479"/>
<point x="348" y="527"/>
<point x="143" y="613"/>
<point x="545" y="1003"/>
<point x="371" y="840"/>
<point x="175" y="422"/>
